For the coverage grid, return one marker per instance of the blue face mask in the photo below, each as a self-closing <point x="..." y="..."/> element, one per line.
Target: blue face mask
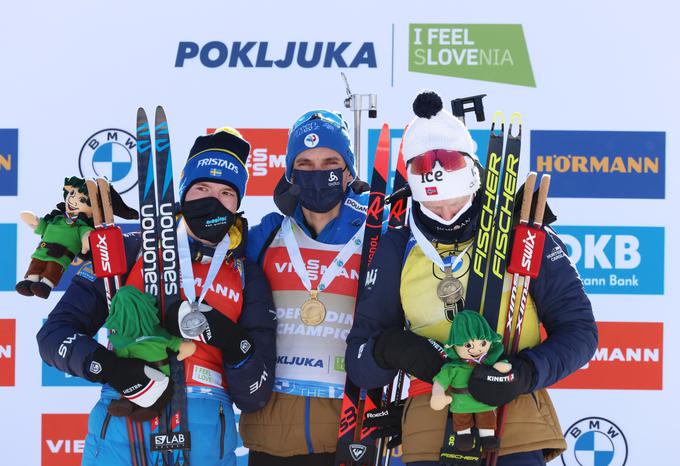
<point x="320" y="190"/>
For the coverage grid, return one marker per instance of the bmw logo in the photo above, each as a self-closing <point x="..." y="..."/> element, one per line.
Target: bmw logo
<point x="110" y="153"/>
<point x="595" y="441"/>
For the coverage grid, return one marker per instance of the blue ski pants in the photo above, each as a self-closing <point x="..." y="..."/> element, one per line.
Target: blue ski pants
<point x="213" y="432"/>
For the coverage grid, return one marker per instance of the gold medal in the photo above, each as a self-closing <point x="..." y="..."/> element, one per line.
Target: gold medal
<point x="313" y="311"/>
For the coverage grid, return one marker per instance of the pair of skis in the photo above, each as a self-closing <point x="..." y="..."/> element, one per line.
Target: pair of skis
<point x="170" y="438"/>
<point x="356" y="444"/>
<point x="490" y="250"/>
<point x="109" y="262"/>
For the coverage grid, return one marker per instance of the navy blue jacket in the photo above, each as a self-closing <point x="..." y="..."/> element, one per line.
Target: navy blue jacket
<point x="66" y="338"/>
<point x="562" y="305"/>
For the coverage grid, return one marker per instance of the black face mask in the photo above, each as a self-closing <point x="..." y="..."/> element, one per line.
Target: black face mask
<point x="208" y="219"/>
<point x="458" y="230"/>
<point x="320" y="190"/>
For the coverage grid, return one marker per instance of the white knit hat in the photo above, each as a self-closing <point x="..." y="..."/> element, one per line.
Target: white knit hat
<point x="435" y="128"/>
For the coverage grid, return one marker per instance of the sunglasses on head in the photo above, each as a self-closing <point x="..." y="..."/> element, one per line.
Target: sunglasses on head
<point x="324" y="115"/>
<point x="450" y="160"/>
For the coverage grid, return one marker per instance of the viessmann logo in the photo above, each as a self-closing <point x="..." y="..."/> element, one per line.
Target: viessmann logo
<point x="267" y="161"/>
<point x="63" y="439"/>
<point x="602" y="164"/>
<point x="629" y="356"/>
<point x="216" y="54"/>
<point x="7" y="348"/>
<point x="485" y="52"/>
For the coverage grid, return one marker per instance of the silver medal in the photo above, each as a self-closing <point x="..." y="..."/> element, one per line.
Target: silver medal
<point x="450" y="292"/>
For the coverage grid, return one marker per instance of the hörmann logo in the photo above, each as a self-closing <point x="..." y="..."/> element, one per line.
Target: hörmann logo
<point x="486" y="52"/>
<point x="617" y="260"/>
<point x="602" y="164"/>
<point x="7" y="356"/>
<point x="216" y="54"/>
<point x="9" y="166"/>
<point x="629" y="356"/>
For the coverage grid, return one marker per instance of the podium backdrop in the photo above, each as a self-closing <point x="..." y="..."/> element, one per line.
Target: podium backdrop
<point x="595" y="82"/>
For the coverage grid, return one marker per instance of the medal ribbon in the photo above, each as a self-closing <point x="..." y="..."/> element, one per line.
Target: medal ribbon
<point x="431" y="252"/>
<point x="187" y="270"/>
<point x="332" y="270"/>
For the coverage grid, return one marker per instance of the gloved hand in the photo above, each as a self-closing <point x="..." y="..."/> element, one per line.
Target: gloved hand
<point x="387" y="421"/>
<point x="221" y="332"/>
<point x="496" y="388"/>
<point x="416" y="355"/>
<point x="133" y="378"/>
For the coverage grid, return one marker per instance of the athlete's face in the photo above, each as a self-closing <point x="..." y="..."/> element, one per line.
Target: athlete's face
<point x="322" y="158"/>
<point x="473" y="349"/>
<point x="447" y="208"/>
<point x="225" y="194"/>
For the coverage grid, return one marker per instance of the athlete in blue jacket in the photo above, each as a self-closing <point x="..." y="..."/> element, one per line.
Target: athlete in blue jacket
<point x="234" y="360"/>
<point x="311" y="257"/>
<point x="401" y="323"/>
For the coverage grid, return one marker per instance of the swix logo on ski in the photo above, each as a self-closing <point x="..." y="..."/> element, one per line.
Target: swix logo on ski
<point x="595" y="441"/>
<point x="267" y="161"/>
<point x="8" y="252"/>
<point x="629" y="356"/>
<point x="9" y="161"/>
<point x="7" y="356"/>
<point x="602" y="164"/>
<point x="110" y="153"/>
<point x="617" y="260"/>
<point x="84" y="268"/>
<point x="480" y="138"/>
<point x="216" y="54"/>
<point x="63" y="439"/>
<point x="299" y="361"/>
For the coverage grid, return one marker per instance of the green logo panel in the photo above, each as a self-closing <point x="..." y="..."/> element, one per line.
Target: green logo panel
<point x="485" y="52"/>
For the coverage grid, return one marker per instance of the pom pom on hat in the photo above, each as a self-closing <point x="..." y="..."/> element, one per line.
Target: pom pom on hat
<point x="427" y="104"/>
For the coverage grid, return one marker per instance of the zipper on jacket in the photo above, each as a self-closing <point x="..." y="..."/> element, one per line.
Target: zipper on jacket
<point x="222" y="431"/>
<point x="105" y="426"/>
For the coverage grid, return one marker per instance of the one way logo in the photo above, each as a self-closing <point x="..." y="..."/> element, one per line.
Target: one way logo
<point x="357" y="451"/>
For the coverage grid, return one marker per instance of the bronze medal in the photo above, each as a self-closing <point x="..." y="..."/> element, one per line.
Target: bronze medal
<point x="313" y="311"/>
<point x="450" y="292"/>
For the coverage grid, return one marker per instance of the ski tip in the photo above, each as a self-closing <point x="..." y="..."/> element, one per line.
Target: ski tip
<point x="160" y="111"/>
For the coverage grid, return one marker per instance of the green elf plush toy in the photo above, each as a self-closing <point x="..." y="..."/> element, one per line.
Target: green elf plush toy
<point x="63" y="234"/>
<point x="136" y="332"/>
<point x="471" y="342"/>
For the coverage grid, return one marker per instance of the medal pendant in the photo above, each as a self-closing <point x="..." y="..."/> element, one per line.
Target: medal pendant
<point x="313" y="311"/>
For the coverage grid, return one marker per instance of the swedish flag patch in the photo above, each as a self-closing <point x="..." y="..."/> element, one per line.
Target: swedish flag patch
<point x="87" y="271"/>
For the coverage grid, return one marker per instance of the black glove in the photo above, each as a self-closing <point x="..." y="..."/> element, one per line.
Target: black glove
<point x="133" y="378"/>
<point x="221" y="332"/>
<point x="415" y="355"/>
<point x="495" y="388"/>
<point x="387" y="421"/>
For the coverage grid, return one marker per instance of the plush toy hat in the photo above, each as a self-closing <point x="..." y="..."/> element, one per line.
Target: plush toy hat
<point x="435" y="129"/>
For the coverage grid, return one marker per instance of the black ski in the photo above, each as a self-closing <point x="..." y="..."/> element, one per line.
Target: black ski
<point x="356" y="445"/>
